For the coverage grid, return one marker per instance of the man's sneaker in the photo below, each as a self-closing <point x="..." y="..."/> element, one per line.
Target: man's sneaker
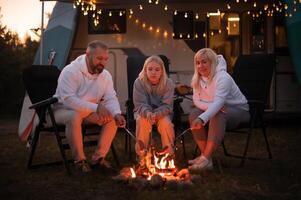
<point x="82" y="166"/>
<point x="193" y="161"/>
<point x="202" y="164"/>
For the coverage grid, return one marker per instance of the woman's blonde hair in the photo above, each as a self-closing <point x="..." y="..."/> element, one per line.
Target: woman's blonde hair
<point x="206" y="53"/>
<point x="143" y="77"/>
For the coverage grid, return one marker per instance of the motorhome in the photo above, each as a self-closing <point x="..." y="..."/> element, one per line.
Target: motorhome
<point x="177" y="29"/>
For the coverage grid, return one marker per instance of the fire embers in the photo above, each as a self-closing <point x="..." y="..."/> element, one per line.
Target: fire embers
<point x="155" y="169"/>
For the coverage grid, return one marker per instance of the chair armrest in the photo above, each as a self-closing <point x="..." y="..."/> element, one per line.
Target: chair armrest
<point x="183" y="90"/>
<point x="177" y="100"/>
<point x="44" y="103"/>
<point x="255" y="102"/>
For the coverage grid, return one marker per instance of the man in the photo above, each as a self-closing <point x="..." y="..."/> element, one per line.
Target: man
<point x="86" y="95"/>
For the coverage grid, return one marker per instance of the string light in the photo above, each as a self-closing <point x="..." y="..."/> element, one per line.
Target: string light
<point x="156" y="32"/>
<point x="165" y="34"/>
<point x="196" y="16"/>
<point x="270" y="8"/>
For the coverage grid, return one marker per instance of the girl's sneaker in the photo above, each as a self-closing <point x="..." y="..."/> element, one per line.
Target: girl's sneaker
<point x="201" y="164"/>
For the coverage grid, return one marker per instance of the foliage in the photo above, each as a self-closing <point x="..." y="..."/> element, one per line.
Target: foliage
<point x="14" y="56"/>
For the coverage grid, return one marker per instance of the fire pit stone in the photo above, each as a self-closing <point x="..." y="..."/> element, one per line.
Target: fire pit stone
<point x="156" y="181"/>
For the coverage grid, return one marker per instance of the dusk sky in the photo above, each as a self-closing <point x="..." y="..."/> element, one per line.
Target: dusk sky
<point x="22" y="15"/>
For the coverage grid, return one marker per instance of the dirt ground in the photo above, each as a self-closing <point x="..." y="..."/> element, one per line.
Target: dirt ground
<point x="279" y="178"/>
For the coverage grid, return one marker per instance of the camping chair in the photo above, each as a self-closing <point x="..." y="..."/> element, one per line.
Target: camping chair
<point x="40" y="82"/>
<point x="253" y="75"/>
<point x="134" y="67"/>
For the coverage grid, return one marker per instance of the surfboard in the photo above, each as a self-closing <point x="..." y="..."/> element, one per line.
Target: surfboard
<point x="57" y="40"/>
<point x="294" y="40"/>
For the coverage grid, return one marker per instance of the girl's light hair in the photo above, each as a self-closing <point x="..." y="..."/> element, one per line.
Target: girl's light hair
<point x="209" y="54"/>
<point x="143" y="77"/>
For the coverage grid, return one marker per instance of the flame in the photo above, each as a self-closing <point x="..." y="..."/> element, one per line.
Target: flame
<point x="133" y="172"/>
<point x="164" y="164"/>
<point x="171" y="164"/>
<point x="160" y="165"/>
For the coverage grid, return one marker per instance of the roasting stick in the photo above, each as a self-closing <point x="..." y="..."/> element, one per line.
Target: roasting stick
<point x="185" y="131"/>
<point x="129" y="132"/>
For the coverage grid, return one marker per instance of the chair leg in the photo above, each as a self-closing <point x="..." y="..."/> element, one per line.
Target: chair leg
<point x="115" y="155"/>
<point x="130" y="148"/>
<point x="225" y="149"/>
<point x="59" y="140"/>
<point x="243" y="159"/>
<point x="266" y="141"/>
<point x="33" y="147"/>
<point x="62" y="151"/>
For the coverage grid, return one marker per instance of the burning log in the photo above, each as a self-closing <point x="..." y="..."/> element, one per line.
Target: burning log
<point x="184" y="174"/>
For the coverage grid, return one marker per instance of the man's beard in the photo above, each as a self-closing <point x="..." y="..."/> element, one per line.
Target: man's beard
<point x="96" y="69"/>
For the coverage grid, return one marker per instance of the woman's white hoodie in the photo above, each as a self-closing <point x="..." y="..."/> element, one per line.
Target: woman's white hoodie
<point x="219" y="93"/>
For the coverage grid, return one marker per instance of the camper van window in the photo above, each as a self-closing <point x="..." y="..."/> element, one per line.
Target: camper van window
<point x="258" y="37"/>
<point x="223" y="35"/>
<point x="281" y="46"/>
<point x="110" y="21"/>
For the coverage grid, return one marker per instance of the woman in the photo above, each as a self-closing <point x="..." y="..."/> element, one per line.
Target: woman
<point x="153" y="101"/>
<point x="219" y="103"/>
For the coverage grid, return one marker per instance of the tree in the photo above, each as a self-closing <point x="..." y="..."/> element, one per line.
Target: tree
<point x="14" y="56"/>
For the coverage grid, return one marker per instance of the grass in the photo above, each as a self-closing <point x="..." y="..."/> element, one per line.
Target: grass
<point x="268" y="179"/>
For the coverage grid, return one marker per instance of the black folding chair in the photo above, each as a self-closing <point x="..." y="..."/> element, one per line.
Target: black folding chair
<point x="40" y="82"/>
<point x="134" y="67"/>
<point x="253" y="75"/>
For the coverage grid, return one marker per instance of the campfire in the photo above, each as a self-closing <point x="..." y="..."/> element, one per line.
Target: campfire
<point x="155" y="168"/>
<point x="155" y="163"/>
